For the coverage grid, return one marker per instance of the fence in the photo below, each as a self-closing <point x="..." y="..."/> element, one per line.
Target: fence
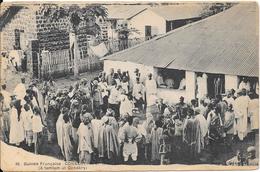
<point x="116" y="45"/>
<point x="58" y="63"/>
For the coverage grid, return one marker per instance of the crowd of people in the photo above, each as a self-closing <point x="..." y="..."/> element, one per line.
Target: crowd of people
<point x="118" y="119"/>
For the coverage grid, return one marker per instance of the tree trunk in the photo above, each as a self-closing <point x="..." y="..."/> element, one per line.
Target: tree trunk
<point x="75" y="51"/>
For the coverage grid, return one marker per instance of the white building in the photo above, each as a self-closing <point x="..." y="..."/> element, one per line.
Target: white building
<point x="151" y="21"/>
<point x="223" y="46"/>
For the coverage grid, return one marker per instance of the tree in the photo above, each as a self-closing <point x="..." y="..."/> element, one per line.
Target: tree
<point x="76" y="15"/>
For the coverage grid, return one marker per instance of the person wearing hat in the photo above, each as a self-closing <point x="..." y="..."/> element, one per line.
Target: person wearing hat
<point x="192" y="138"/>
<point x="59" y="129"/>
<point x="251" y="159"/>
<point x="114" y="98"/>
<point x="16" y="123"/>
<point x="126" y="106"/>
<point x="228" y="98"/>
<point x="150" y="86"/>
<point x="203" y="124"/>
<point x="181" y="108"/>
<point x="20" y="89"/>
<point x="138" y="94"/>
<point x="97" y="98"/>
<point x="108" y="146"/>
<point x="156" y="138"/>
<point x="241" y="114"/>
<point x="86" y="140"/>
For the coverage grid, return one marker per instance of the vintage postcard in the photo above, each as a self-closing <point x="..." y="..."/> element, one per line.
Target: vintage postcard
<point x="127" y="86"/>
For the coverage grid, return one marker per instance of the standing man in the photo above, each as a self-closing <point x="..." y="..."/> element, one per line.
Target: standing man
<point x="20" y="89"/>
<point x="110" y="77"/>
<point x="241" y="113"/>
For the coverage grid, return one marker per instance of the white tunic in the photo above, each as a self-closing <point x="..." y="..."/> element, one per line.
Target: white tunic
<point x="241" y="113"/>
<point x="253" y="109"/>
<point x="16" y="127"/>
<point x="20" y="91"/>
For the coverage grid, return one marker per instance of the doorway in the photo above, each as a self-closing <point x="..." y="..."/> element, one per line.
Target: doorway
<point x="216" y="84"/>
<point x="148" y="32"/>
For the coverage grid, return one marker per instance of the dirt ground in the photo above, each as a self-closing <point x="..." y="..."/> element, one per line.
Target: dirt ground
<point x="223" y="153"/>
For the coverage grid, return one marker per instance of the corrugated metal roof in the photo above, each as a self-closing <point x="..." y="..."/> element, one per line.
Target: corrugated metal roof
<point x="124" y="11"/>
<point x="225" y="43"/>
<point x="179" y="11"/>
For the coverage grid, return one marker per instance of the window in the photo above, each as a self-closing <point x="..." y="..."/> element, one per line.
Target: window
<point x="251" y="84"/>
<point x="171" y="78"/>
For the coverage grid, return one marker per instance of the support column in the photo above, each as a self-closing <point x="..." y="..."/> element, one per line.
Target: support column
<point x="190" y="85"/>
<point x="231" y="81"/>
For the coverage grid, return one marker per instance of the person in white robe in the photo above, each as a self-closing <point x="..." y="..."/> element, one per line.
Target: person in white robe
<point x="203" y="125"/>
<point x="241" y="114"/>
<point x="16" y="124"/>
<point x="244" y="84"/>
<point x="202" y="85"/>
<point x="27" y="114"/>
<point x="182" y="85"/>
<point x="59" y="128"/>
<point x="229" y="99"/>
<point x="126" y="106"/>
<point x="253" y="111"/>
<point x="37" y="128"/>
<point x="67" y="139"/>
<point x="96" y="125"/>
<point x="150" y="86"/>
<point x="20" y="89"/>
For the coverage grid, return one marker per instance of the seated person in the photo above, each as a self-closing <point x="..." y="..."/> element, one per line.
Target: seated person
<point x="251" y="159"/>
<point x="160" y="82"/>
<point x="169" y="83"/>
<point x="182" y="84"/>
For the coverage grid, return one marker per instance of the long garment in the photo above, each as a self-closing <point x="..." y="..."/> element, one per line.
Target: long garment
<point x="156" y="136"/>
<point x="16" y="128"/>
<point x="96" y="125"/>
<point x="85" y="148"/>
<point x="20" y="91"/>
<point x="67" y="145"/>
<point x="59" y="131"/>
<point x="52" y="117"/>
<point x="223" y="108"/>
<point x="229" y="122"/>
<point x="108" y="146"/>
<point x="150" y="87"/>
<point x="253" y="109"/>
<point x="202" y="86"/>
<point x="126" y="106"/>
<point x="203" y="127"/>
<point x="192" y="137"/>
<point x="241" y="114"/>
<point x="27" y="118"/>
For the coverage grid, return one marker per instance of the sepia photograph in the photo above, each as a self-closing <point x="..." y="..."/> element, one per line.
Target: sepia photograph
<point x="127" y="86"/>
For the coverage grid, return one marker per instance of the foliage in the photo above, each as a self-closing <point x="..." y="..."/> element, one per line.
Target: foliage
<point x="75" y="13"/>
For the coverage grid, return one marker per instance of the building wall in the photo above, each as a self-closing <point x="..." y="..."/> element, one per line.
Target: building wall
<point x="170" y="95"/>
<point x="128" y="66"/>
<point x="147" y="17"/>
<point x="24" y="20"/>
